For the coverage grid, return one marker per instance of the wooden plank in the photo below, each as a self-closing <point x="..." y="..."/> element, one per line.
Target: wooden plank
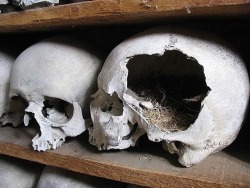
<point x="146" y="165"/>
<point x="101" y="12"/>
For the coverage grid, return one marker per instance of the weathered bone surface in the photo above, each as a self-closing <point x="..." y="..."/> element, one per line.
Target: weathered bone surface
<point x="57" y="178"/>
<point x="18" y="173"/>
<point x="9" y="110"/>
<point x="6" y="62"/>
<point x="4" y="2"/>
<point x="55" y="77"/>
<point x="197" y="100"/>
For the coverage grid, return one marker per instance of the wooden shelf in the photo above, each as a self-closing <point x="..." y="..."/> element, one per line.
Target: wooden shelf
<point x="146" y="165"/>
<point x="101" y="12"/>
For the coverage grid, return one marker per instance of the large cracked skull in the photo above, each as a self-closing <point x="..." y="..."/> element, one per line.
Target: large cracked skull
<point x="55" y="78"/>
<point x="186" y="89"/>
<point x="9" y="110"/>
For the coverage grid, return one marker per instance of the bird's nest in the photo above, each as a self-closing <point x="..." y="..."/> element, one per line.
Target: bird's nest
<point x="169" y="110"/>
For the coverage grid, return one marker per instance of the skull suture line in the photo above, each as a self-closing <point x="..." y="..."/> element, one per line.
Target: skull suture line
<point x="10" y="111"/>
<point x="185" y="89"/>
<point x="56" y="77"/>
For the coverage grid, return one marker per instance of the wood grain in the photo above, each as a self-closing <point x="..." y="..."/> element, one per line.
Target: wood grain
<point x="146" y="165"/>
<point x="101" y="12"/>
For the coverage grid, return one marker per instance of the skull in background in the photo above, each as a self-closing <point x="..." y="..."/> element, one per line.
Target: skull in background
<point x="26" y="4"/>
<point x="55" y="78"/>
<point x="10" y="111"/>
<point x="186" y="89"/>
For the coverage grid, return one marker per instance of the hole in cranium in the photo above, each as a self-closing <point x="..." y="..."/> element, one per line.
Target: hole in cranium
<point x="57" y="110"/>
<point x="113" y="105"/>
<point x="174" y="85"/>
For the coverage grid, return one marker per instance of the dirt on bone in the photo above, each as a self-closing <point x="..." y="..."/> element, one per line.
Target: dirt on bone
<point x="176" y="104"/>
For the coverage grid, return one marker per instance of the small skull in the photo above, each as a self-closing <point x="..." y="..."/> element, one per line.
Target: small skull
<point x="183" y="88"/>
<point x="9" y="110"/>
<point x="6" y="61"/>
<point x="55" y="78"/>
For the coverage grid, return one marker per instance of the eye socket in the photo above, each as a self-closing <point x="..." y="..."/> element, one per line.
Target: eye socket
<point x="57" y="110"/>
<point x="174" y="83"/>
<point x="113" y="105"/>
